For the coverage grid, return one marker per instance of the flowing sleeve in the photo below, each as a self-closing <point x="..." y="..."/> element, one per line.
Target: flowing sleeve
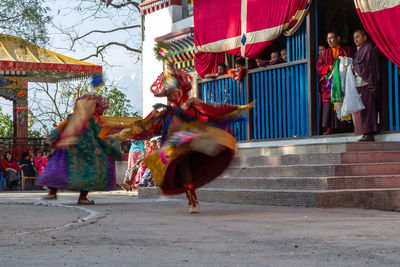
<point x="69" y="131"/>
<point x="218" y="113"/>
<point x="143" y="128"/>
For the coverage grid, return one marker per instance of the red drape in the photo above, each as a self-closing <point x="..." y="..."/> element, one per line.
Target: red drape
<point x="245" y="27"/>
<point x="207" y="62"/>
<point x="381" y="21"/>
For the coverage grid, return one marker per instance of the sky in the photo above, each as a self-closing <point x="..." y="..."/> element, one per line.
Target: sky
<point x="125" y="69"/>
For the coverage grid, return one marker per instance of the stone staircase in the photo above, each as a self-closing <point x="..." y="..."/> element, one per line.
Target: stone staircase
<point x="356" y="175"/>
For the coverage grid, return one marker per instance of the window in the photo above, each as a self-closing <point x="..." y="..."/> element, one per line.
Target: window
<point x="187" y="8"/>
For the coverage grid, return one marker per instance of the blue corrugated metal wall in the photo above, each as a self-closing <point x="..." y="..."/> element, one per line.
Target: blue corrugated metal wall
<point x="394" y="100"/>
<point x="227" y="91"/>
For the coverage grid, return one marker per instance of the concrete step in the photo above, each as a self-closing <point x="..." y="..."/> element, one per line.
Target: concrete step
<point x="308" y="183"/>
<point x="372" y="146"/>
<point x="314" y="170"/>
<point x="316" y="158"/>
<point x="287" y="183"/>
<point x="381" y="199"/>
<point x="370" y="157"/>
<point x="317" y="148"/>
<point x="361" y="169"/>
<point x="311" y="170"/>
<point x="319" y="158"/>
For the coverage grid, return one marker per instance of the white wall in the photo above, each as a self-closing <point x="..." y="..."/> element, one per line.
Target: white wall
<point x="182" y="24"/>
<point x="157" y="24"/>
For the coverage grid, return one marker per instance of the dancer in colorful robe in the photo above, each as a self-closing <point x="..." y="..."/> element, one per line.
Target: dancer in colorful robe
<point x="367" y="69"/>
<point x="325" y="66"/>
<point x="194" y="151"/>
<point x="83" y="160"/>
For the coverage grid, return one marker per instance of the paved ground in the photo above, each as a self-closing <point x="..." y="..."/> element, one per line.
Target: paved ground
<point x="121" y="230"/>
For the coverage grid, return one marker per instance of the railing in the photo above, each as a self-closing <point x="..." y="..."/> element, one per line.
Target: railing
<point x="296" y="45"/>
<point x="394" y="99"/>
<point x="227" y="91"/>
<point x="281" y="109"/>
<point x="281" y="91"/>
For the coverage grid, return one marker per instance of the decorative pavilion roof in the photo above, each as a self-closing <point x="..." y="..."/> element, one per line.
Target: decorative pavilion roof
<point x="20" y="57"/>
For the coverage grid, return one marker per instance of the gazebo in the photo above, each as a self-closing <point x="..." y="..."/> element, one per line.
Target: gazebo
<point x="22" y="62"/>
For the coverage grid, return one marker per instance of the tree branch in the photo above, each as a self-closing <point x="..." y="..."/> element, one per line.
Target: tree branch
<point x="101" y="48"/>
<point x="100" y="31"/>
<point x="127" y="3"/>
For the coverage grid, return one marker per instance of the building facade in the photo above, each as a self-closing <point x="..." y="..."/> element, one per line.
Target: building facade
<point x="286" y="94"/>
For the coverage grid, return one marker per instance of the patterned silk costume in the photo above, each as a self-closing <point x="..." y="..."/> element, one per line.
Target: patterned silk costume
<point x="83" y="160"/>
<point x="195" y="148"/>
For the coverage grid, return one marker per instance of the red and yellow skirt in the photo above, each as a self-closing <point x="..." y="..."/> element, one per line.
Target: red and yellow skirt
<point x="207" y="150"/>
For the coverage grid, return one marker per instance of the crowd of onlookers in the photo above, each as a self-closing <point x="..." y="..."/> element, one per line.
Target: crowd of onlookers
<point x="239" y="71"/>
<point x="277" y="57"/>
<point x="137" y="174"/>
<point x="349" y="82"/>
<point x="29" y="165"/>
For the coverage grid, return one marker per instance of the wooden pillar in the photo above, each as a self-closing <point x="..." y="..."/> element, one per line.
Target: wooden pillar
<point x="20" y="117"/>
<point x="312" y="72"/>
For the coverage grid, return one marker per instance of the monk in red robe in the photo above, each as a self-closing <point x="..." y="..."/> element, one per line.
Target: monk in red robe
<point x="367" y="68"/>
<point x="324" y="66"/>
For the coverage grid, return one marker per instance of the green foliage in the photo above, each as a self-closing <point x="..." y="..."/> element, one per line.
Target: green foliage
<point x="119" y="104"/>
<point x="25" y="18"/>
<point x="6" y="125"/>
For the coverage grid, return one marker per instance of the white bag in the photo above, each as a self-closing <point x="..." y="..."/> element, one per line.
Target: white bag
<point x="345" y="63"/>
<point x="352" y="99"/>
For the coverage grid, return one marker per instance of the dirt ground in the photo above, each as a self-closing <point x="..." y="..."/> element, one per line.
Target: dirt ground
<point x="121" y="230"/>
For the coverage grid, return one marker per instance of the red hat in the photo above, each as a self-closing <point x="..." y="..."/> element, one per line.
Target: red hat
<point x="170" y="79"/>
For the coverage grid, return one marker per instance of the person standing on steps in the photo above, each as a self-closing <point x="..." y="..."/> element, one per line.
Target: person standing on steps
<point x="367" y="69"/>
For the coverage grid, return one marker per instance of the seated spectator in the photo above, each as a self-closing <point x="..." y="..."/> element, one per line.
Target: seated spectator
<point x="10" y="169"/>
<point x="135" y="150"/>
<point x="147" y="179"/>
<point x="261" y="62"/>
<point x="36" y="159"/>
<point x="239" y="71"/>
<point x="43" y="162"/>
<point x="132" y="174"/>
<point x="284" y="55"/>
<point x="221" y="70"/>
<point x="275" y="58"/>
<point x="321" y="50"/>
<point x="26" y="165"/>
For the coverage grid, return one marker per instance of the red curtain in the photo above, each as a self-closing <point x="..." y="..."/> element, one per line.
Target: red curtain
<point x="381" y="21"/>
<point x="242" y="27"/>
<point x="207" y="62"/>
<point x="245" y="27"/>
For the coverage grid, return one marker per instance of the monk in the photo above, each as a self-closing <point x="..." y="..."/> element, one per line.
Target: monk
<point x="239" y="71"/>
<point x="366" y="68"/>
<point x="330" y="123"/>
<point x="221" y="70"/>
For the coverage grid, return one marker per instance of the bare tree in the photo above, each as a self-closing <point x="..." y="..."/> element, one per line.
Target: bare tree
<point x="51" y="103"/>
<point x="119" y="16"/>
